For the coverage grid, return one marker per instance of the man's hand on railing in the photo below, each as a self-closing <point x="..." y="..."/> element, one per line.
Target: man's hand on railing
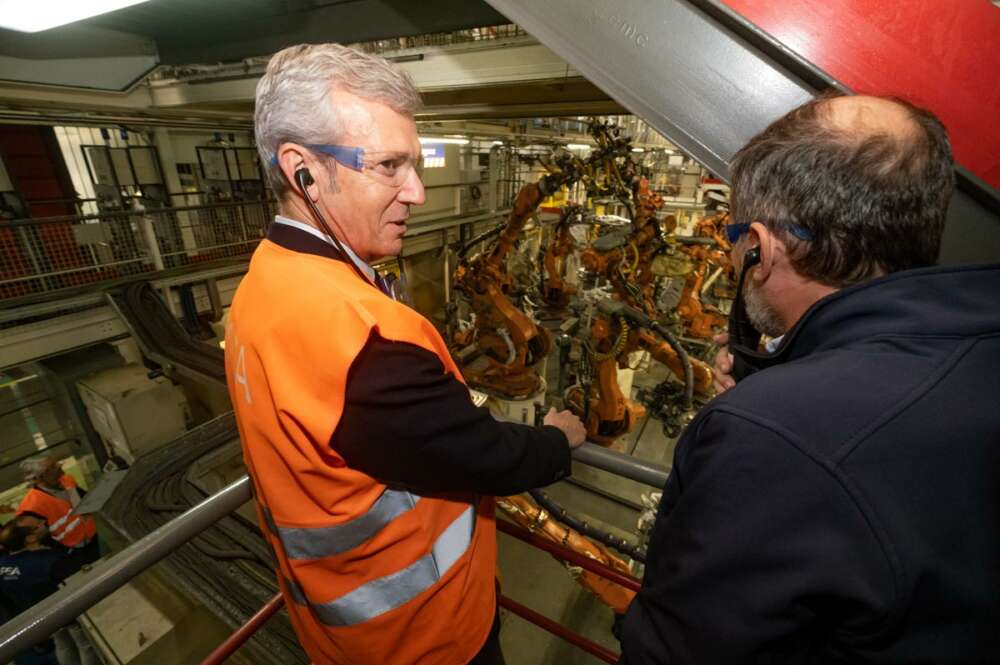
<point x="570" y="425"/>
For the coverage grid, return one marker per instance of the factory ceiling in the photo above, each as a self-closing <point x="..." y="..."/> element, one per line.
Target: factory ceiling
<point x="113" y="51"/>
<point x="187" y="31"/>
<point x="189" y="61"/>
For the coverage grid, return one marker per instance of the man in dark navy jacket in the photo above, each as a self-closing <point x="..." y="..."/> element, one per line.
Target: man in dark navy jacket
<point x="840" y="504"/>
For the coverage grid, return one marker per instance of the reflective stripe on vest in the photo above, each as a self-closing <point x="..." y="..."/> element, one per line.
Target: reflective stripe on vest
<point x="319" y="542"/>
<point x="69" y="527"/>
<point x="381" y="595"/>
<point x="59" y="522"/>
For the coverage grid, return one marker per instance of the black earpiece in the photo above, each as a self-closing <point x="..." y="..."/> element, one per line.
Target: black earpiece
<point x="304" y="179"/>
<point x="751" y="258"/>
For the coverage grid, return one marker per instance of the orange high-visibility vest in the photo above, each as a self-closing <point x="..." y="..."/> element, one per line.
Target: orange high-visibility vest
<point x="372" y="575"/>
<point x="66" y="529"/>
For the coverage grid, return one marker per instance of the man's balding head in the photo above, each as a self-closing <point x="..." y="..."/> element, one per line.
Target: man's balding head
<point x="870" y="178"/>
<point x="859" y="115"/>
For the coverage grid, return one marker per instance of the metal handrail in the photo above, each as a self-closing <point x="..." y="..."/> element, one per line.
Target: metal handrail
<point x="62" y="608"/>
<point x="231" y="644"/>
<point x="97" y="216"/>
<point x="620" y="464"/>
<point x="557" y="629"/>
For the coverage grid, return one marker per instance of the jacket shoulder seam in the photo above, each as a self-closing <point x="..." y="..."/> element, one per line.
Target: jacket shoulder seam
<point x="854" y="441"/>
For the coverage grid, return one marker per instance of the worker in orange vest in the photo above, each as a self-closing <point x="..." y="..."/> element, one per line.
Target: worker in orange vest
<point x="373" y="471"/>
<point x="53" y="497"/>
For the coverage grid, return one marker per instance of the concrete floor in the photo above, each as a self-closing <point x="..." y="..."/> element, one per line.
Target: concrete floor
<point x="534" y="578"/>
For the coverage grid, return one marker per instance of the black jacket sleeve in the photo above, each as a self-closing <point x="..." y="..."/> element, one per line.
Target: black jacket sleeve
<point x="759" y="553"/>
<point x="406" y="421"/>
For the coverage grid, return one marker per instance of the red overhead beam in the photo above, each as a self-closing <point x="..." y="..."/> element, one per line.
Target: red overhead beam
<point x="938" y="54"/>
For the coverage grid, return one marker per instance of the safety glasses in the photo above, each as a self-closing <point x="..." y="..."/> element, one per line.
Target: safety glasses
<point x="735" y="231"/>
<point x="387" y="167"/>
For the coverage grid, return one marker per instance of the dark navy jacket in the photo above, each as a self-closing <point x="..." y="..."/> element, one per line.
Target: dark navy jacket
<point x="29" y="576"/>
<point x="843" y="506"/>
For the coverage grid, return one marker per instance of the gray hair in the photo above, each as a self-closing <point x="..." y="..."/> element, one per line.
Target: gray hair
<point x="293" y="103"/>
<point x="34" y="467"/>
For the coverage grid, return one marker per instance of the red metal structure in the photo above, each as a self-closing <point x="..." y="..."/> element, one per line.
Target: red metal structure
<point x="940" y="55"/>
<point x="229" y="646"/>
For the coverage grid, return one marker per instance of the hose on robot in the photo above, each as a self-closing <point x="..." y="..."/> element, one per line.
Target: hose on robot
<point x="682" y="355"/>
<point x="618" y="308"/>
<point x="560" y="514"/>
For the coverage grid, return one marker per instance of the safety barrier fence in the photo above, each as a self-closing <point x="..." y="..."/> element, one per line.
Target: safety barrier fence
<point x="64" y="606"/>
<point x="232" y="643"/>
<point x="51" y="253"/>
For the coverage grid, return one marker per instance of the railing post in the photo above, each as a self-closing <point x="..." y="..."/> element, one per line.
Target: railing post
<point x="232" y="643"/>
<point x="149" y="237"/>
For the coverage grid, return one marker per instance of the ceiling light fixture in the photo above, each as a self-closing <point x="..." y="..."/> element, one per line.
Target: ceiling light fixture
<point x="577" y="146"/>
<point x="638" y="150"/>
<point x="38" y="15"/>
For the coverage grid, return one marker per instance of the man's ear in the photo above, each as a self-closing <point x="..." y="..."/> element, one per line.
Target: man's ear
<point x="291" y="159"/>
<point x="761" y="238"/>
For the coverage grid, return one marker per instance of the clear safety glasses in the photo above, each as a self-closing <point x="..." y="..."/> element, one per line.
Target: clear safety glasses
<point x="389" y="168"/>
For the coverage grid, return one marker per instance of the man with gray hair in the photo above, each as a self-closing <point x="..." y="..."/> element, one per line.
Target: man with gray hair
<point x="373" y="471"/>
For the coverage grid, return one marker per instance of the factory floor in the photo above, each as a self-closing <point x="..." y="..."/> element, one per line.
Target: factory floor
<point x="535" y="579"/>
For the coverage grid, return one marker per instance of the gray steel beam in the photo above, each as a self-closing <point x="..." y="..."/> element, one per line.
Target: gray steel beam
<point x="64" y="606"/>
<point x="689" y="77"/>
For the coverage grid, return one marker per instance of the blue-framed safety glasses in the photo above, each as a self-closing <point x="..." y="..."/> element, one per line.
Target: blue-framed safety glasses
<point x="735" y="231"/>
<point x="352" y="158"/>
<point x="387" y="167"/>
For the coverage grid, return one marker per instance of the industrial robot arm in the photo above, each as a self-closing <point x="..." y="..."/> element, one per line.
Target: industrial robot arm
<point x="510" y="340"/>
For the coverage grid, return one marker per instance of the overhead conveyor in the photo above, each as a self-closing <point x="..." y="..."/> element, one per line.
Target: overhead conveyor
<point x="161" y="338"/>
<point x="709" y="78"/>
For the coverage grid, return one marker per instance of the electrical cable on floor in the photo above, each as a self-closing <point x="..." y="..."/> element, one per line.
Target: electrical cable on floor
<point x="228" y="567"/>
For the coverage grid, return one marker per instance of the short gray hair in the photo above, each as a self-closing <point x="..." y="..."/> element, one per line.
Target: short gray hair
<point x="293" y="104"/>
<point x="34" y="467"/>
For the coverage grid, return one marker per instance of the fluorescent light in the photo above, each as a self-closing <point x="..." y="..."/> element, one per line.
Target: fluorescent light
<point x="498" y="143"/>
<point x="442" y="139"/>
<point x="638" y="150"/>
<point x="36" y="15"/>
<point x="577" y="146"/>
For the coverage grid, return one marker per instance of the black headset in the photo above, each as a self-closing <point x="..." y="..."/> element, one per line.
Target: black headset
<point x="303" y="178"/>
<point x="743" y="337"/>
